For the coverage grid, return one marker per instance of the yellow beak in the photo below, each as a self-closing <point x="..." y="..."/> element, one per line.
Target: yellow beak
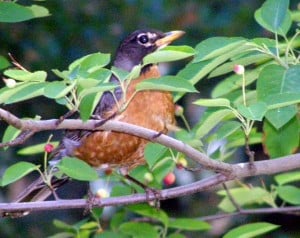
<point x="169" y="38"/>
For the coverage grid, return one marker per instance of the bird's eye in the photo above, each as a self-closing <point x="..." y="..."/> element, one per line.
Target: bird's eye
<point x="143" y="39"/>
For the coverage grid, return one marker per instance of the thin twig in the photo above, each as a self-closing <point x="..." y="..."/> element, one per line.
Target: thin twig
<point x="24" y="136"/>
<point x="241" y="170"/>
<point x="231" y="198"/>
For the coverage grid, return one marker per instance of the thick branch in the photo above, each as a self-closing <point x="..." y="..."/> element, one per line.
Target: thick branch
<point x="241" y="170"/>
<point x="113" y="125"/>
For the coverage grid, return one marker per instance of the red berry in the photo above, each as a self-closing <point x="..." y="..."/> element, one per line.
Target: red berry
<point x="48" y="148"/>
<point x="169" y="179"/>
<point x="108" y="171"/>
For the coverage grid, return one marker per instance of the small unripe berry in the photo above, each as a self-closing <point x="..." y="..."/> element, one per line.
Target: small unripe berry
<point x="181" y="163"/>
<point x="178" y="110"/>
<point x="10" y="83"/>
<point x="102" y="193"/>
<point x="148" y="177"/>
<point x="48" y="148"/>
<point x="239" y="69"/>
<point x="169" y="179"/>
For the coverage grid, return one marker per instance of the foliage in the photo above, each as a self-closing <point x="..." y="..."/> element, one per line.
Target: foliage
<point x="264" y="95"/>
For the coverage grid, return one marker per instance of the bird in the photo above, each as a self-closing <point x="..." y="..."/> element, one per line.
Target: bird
<point x="150" y="109"/>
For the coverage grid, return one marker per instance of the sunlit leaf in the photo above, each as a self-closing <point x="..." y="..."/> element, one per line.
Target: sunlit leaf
<point x="27" y="91"/>
<point x="10" y="134"/>
<point x="189" y="224"/>
<point x="209" y="122"/>
<point x="148" y="211"/>
<point x="12" y="12"/>
<point x="274" y="16"/>
<point x="88" y="104"/>
<point x="21" y="75"/>
<point x="139" y="230"/>
<point x="17" y="171"/>
<point x="243" y="196"/>
<point x="288" y="177"/>
<point x="289" y="193"/>
<point x="251" y="230"/>
<point x="216" y="46"/>
<point x="35" y="149"/>
<point x="167" y="83"/>
<point x="77" y="169"/>
<point x="57" y="89"/>
<point x="170" y="53"/>
<point x="217" y="102"/>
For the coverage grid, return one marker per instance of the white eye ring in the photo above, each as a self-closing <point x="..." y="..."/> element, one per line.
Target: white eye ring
<point x="143" y="39"/>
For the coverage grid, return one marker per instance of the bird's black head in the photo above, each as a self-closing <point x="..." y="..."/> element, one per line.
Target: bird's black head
<point x="140" y="43"/>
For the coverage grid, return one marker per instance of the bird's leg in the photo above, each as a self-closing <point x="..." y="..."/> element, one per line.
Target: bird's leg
<point x="90" y="201"/>
<point x="65" y="116"/>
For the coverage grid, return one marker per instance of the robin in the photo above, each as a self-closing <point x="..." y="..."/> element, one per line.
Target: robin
<point x="150" y="109"/>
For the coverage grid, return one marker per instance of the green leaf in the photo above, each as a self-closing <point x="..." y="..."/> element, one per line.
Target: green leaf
<point x="153" y="152"/>
<point x="4" y="63"/>
<point x="282" y="141"/>
<point x="274" y="16"/>
<point x="253" y="112"/>
<point x="139" y="230"/>
<point x="197" y="71"/>
<point x="189" y="224"/>
<point x="210" y="121"/>
<point x="168" y="54"/>
<point x="288" y="177"/>
<point x="148" y="211"/>
<point x="88" y="104"/>
<point x="253" y="57"/>
<point x="289" y="193"/>
<point x="57" y="89"/>
<point x="10" y="134"/>
<point x="281" y="116"/>
<point x="63" y="225"/>
<point x="90" y="63"/>
<point x="11" y="12"/>
<point x="27" y="91"/>
<point x="97" y="89"/>
<point x="77" y="169"/>
<point x="251" y="230"/>
<point x="17" y="171"/>
<point x="243" y="196"/>
<point x="216" y="46"/>
<point x="166" y="83"/>
<point x="121" y="74"/>
<point x="217" y="102"/>
<point x="35" y="149"/>
<point x="176" y="235"/>
<point x="21" y="75"/>
<point x="277" y="82"/>
<point x="234" y="82"/>
<point x="227" y="128"/>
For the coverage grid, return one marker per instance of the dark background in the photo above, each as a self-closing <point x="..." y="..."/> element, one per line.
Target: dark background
<point x="79" y="27"/>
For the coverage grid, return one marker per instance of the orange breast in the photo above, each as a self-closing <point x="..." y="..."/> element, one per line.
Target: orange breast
<point x="151" y="109"/>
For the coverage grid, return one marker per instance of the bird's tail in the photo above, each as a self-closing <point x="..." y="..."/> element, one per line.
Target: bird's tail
<point x="36" y="191"/>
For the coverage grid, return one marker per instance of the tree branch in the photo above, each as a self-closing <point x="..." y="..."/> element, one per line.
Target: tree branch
<point x="240" y="170"/>
<point x="113" y="125"/>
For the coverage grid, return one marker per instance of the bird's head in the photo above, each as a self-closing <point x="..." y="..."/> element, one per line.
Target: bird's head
<point x="140" y="43"/>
